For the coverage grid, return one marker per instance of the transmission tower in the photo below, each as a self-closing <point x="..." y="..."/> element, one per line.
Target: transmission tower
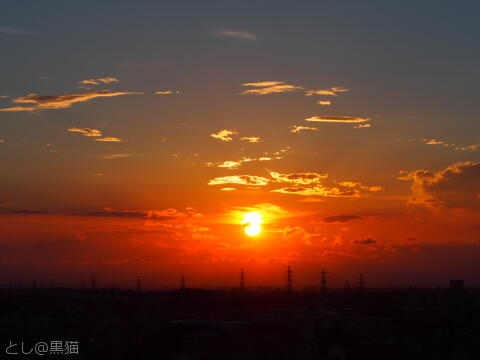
<point x="323" y="282"/>
<point x="289" y="279"/>
<point x="182" y="282"/>
<point x="242" y="279"/>
<point x="361" y="282"/>
<point x="139" y="284"/>
<point x="347" y="286"/>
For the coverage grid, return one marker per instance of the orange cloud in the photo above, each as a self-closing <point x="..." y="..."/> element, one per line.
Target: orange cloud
<point x="298" y="178"/>
<point x="251" y="139"/>
<point x="240" y="180"/>
<point x="298" y="128"/>
<point x="328" y="92"/>
<point x="324" y="102"/>
<point x="105" y="80"/>
<point x="61" y="101"/>
<point x="270" y="87"/>
<point x="337" y="119"/>
<point x="362" y="126"/>
<point x="166" y="92"/>
<point x="224" y="135"/>
<point x="109" y="139"/>
<point x="86" y="131"/>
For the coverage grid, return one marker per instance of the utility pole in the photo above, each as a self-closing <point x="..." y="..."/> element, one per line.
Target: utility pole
<point x="289" y="279"/>
<point x="242" y="279"/>
<point x="323" y="282"/>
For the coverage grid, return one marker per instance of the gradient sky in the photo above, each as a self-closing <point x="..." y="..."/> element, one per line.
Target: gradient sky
<point x="134" y="135"/>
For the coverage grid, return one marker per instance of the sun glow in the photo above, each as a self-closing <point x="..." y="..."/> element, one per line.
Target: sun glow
<point x="253" y="223"/>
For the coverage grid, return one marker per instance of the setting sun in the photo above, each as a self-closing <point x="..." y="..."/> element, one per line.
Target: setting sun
<point x="253" y="221"/>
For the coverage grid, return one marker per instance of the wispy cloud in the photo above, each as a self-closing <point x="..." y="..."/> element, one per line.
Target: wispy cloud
<point x="298" y="178"/>
<point x="167" y="92"/>
<point x="42" y="102"/>
<point x="86" y="131"/>
<point x="298" y="128"/>
<point x="240" y="180"/>
<point x="235" y="164"/>
<point x="362" y="126"/>
<point x="336" y="219"/>
<point x="324" y="102"/>
<point x="251" y="139"/>
<point x="333" y="91"/>
<point x="109" y="139"/>
<point x="98" y="81"/>
<point x="269" y="87"/>
<point x="224" y="135"/>
<point x="235" y="34"/>
<point x="337" y="119"/>
<point x="117" y="156"/>
<point x="13" y="31"/>
<point x="94" y="133"/>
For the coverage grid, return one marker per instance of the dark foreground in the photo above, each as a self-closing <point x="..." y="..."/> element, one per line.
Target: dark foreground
<point x="236" y="324"/>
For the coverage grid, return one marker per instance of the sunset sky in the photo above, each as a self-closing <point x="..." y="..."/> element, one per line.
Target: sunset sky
<point x="134" y="137"/>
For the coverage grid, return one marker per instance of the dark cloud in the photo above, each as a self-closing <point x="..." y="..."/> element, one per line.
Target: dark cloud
<point x="364" y="241"/>
<point x="456" y="186"/>
<point x="341" y="218"/>
<point x="22" y="212"/>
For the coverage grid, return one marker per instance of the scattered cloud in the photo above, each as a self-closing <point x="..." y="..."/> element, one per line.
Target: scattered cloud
<point x="224" y="135"/>
<point x="234" y="164"/>
<point x="86" y="131"/>
<point x="251" y="139"/>
<point x="298" y="128"/>
<point x="324" y="102"/>
<point x="41" y="102"/>
<point x="319" y="190"/>
<point x="362" y="126"/>
<point x="298" y="178"/>
<point x="269" y="87"/>
<point x="240" y="180"/>
<point x="117" y="156"/>
<point x="99" y="81"/>
<point x="337" y="119"/>
<point x="336" y="219"/>
<point x="167" y="92"/>
<point x="235" y="34"/>
<point x="333" y="91"/>
<point x="109" y="139"/>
